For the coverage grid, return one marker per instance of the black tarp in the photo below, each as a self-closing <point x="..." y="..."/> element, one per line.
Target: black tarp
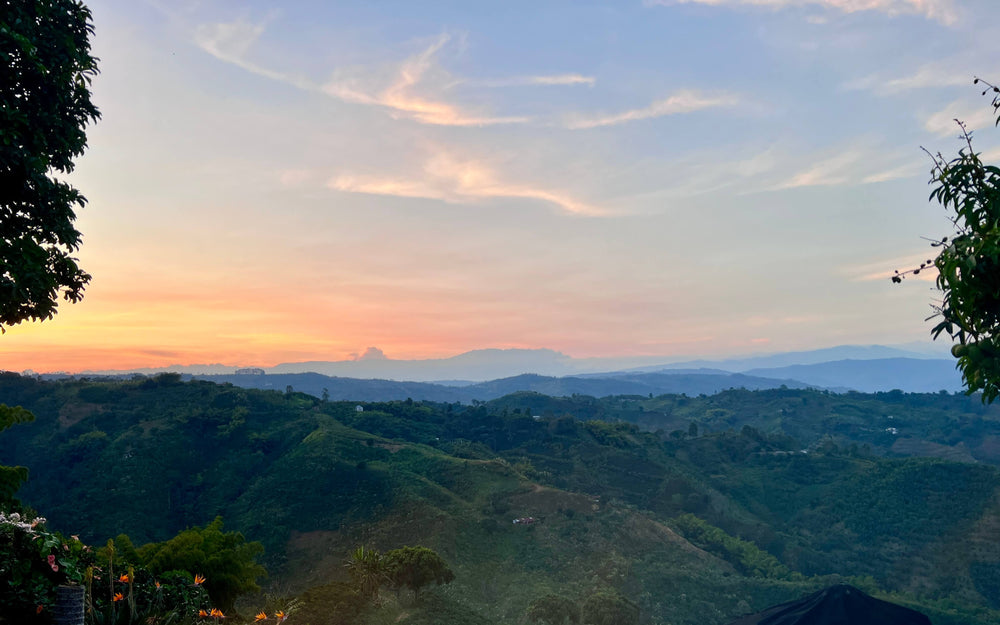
<point x="837" y="605"/>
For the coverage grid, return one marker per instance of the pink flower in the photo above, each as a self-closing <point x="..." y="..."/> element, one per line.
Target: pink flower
<point x="55" y="568"/>
<point x="52" y="560"/>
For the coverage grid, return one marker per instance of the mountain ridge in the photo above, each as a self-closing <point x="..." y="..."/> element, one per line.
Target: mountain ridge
<point x="493" y="363"/>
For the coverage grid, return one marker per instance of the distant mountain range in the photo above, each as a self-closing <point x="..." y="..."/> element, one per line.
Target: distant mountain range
<point x="352" y="389"/>
<point x="490" y="373"/>
<point x="489" y="364"/>
<point x="871" y="376"/>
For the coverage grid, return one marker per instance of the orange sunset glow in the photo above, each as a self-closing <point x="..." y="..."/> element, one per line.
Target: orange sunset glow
<point x="268" y="187"/>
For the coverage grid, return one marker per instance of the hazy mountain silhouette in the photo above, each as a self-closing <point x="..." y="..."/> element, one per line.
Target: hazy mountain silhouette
<point x="863" y="368"/>
<point x="869" y="376"/>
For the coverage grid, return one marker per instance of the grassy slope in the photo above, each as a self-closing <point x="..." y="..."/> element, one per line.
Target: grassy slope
<point x="313" y="480"/>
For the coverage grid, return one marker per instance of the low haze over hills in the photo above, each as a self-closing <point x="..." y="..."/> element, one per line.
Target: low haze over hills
<point x="490" y="373"/>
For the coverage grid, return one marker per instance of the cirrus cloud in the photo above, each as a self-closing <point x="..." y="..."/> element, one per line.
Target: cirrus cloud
<point x="401" y="95"/>
<point x="940" y="10"/>
<point x="681" y="102"/>
<point x="457" y="181"/>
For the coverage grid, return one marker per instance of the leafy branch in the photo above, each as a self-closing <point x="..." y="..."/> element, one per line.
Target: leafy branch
<point x="968" y="263"/>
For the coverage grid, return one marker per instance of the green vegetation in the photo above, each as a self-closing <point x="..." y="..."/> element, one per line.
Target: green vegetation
<point x="607" y="607"/>
<point x="33" y="562"/>
<point x="553" y="610"/>
<point x="11" y="478"/>
<point x="45" y="99"/>
<point x="742" y="554"/>
<point x="968" y="263"/>
<point x="368" y="572"/>
<point x="226" y="561"/>
<point x="415" y="568"/>
<point x="771" y="495"/>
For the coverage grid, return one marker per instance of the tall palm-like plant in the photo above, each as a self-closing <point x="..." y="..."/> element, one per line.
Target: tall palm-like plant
<point x="367" y="570"/>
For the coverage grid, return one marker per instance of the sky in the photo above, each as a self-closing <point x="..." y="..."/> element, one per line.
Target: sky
<point x="280" y="182"/>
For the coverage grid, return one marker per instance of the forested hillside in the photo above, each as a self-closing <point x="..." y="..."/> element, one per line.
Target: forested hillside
<point x="697" y="509"/>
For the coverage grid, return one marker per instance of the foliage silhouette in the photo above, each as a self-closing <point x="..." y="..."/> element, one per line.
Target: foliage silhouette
<point x="607" y="607"/>
<point x="553" y="610"/>
<point x="11" y="478"/>
<point x="45" y="77"/>
<point x="415" y="568"/>
<point x="968" y="263"/>
<point x="225" y="560"/>
<point x="367" y="570"/>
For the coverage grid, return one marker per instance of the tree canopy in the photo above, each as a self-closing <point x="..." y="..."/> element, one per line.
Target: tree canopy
<point x="45" y="74"/>
<point x="224" y="559"/>
<point x="12" y="477"/>
<point x="968" y="262"/>
<point x="608" y="607"/>
<point x="553" y="610"/>
<point x="416" y="567"/>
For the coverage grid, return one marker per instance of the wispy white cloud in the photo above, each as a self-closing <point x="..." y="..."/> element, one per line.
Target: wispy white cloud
<point x="231" y="42"/>
<point x="456" y="181"/>
<point x="857" y="164"/>
<point x="940" y="10"/>
<point x="928" y="76"/>
<point x="943" y="123"/>
<point x="554" y="80"/>
<point x="657" y="183"/>
<point x="834" y="170"/>
<point x="990" y="155"/>
<point x="681" y="102"/>
<point x="562" y="79"/>
<point x="907" y="170"/>
<point x="400" y="96"/>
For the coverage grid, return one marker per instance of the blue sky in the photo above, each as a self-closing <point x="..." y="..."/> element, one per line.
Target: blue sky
<point x="704" y="177"/>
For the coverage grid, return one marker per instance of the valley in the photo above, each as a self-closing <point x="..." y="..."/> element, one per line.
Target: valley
<point x="697" y="509"/>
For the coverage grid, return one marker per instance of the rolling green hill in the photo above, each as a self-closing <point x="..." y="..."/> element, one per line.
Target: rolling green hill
<point x="693" y="527"/>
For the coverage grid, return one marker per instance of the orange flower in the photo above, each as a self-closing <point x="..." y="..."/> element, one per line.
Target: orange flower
<point x="279" y="615"/>
<point x="39" y="609"/>
<point x="260" y="617"/>
<point x="202" y="613"/>
<point x="198" y="580"/>
<point x="157" y="584"/>
<point x="123" y="579"/>
<point x="217" y="613"/>
<point x="118" y="597"/>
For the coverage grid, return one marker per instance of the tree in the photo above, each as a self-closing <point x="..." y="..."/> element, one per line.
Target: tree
<point x="416" y="567"/>
<point x="45" y="74"/>
<point x="367" y="570"/>
<point x="12" y="477"/>
<point x="607" y="607"/>
<point x="968" y="263"/>
<point x="553" y="610"/>
<point x="226" y="561"/>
